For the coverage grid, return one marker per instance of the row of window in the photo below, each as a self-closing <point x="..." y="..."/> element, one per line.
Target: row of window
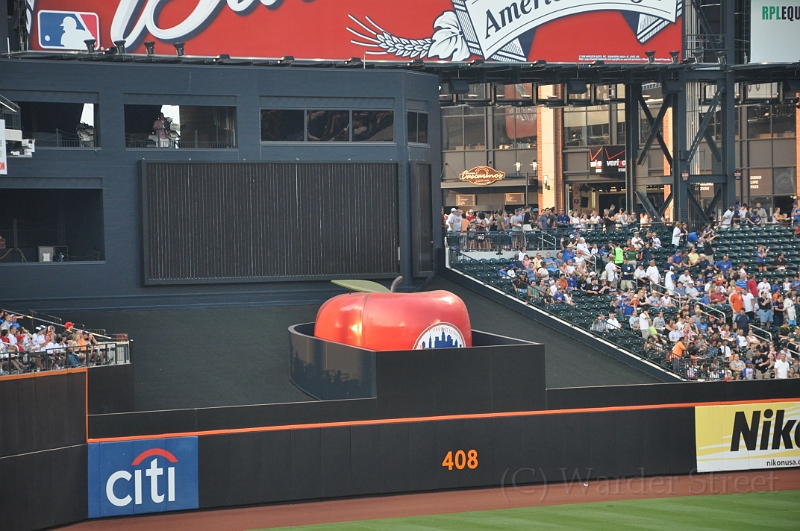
<point x="465" y="127"/>
<point x="75" y="125"/>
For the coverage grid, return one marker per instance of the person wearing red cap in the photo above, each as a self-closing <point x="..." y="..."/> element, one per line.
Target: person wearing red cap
<point x="68" y="326"/>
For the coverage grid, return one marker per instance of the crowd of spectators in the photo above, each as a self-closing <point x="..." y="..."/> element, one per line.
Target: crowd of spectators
<point x="45" y="347"/>
<point x="504" y="230"/>
<point x="711" y="304"/>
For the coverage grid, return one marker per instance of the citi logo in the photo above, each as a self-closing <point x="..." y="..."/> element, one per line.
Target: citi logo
<point x="767" y="434"/>
<point x="143" y="476"/>
<point x="153" y="472"/>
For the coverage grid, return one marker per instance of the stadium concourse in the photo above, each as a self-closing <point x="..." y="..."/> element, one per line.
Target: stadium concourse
<point x="192" y="358"/>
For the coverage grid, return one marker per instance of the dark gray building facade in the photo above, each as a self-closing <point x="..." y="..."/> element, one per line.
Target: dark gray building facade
<point x="276" y="180"/>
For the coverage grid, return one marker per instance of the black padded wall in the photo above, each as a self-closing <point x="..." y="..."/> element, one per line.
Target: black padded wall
<point x="43" y="456"/>
<point x="272" y="466"/>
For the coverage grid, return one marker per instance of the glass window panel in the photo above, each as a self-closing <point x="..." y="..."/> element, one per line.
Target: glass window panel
<point x="412" y="118"/>
<point x="475" y="132"/>
<point x="373" y="126"/>
<point x="57" y="124"/>
<point x="456" y="110"/>
<point x="525" y="127"/>
<point x="453" y="134"/>
<point x="620" y="123"/>
<point x="329" y="126"/>
<point x="575" y="128"/>
<point x="422" y="128"/>
<point x="503" y="128"/>
<point x="282" y="125"/>
<point x="517" y="92"/>
<point x="783" y="120"/>
<point x="758" y="121"/>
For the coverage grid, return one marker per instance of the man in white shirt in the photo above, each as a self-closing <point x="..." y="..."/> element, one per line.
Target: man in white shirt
<point x="644" y="325"/>
<point x="764" y="286"/>
<point x="669" y="280"/>
<point x="611" y="274"/>
<point x="685" y="278"/>
<point x="748" y="299"/>
<point x="676" y="236"/>
<point x="727" y="218"/>
<point x="781" y="367"/>
<point x="675" y="336"/>
<point x="639" y="275"/>
<point x="633" y="322"/>
<point x="612" y="322"/>
<point x="637" y="242"/>
<point x="54" y="349"/>
<point x="652" y="272"/>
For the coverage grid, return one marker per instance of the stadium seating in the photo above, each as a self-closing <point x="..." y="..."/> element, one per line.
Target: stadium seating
<point x="739" y="244"/>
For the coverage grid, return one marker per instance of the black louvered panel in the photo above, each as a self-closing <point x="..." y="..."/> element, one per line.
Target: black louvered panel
<point x="248" y="221"/>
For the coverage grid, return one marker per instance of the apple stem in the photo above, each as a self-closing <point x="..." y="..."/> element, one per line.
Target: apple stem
<point x="396" y="283"/>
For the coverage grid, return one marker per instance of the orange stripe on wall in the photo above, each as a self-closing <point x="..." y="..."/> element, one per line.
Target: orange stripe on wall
<point x="378" y="422"/>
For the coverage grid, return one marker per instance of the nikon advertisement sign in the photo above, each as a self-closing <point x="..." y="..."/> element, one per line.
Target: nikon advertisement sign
<point x="747" y="436"/>
<point x="774" y="31"/>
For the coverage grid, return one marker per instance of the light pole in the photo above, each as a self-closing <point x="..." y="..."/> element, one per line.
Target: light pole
<point x="518" y="165"/>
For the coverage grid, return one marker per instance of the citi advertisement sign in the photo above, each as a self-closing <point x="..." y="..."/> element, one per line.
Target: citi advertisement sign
<point x="747" y="436"/>
<point x="433" y="30"/>
<point x="137" y="477"/>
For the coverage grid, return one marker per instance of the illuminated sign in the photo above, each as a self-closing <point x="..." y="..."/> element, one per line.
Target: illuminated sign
<point x="609" y="160"/>
<point x="482" y="175"/>
<point x="434" y="30"/>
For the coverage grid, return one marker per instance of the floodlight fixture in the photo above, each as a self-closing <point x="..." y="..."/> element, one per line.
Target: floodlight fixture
<point x="120" y="46"/>
<point x="651" y="56"/>
<point x="90" y="43"/>
<point x="675" y="55"/>
<point x="179" y="48"/>
<point x="150" y="46"/>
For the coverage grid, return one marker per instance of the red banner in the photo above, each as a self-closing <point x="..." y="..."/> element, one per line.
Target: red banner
<point x="565" y="31"/>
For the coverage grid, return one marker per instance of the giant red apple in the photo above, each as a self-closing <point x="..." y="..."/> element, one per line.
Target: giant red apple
<point x="395" y="321"/>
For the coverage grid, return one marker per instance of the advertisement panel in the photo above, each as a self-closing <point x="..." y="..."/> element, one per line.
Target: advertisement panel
<point x="747" y="436"/>
<point x="774" y="31"/>
<point x="147" y="476"/>
<point x="3" y="159"/>
<point x="609" y="160"/>
<point x="436" y="30"/>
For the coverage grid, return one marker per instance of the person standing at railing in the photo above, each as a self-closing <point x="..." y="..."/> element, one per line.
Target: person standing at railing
<point x="676" y="354"/>
<point x="160" y="129"/>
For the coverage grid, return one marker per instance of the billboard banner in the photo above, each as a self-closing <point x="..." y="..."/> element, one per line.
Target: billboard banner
<point x="747" y="436"/>
<point x="568" y="31"/>
<point x="146" y="476"/>
<point x="774" y="31"/>
<point x="3" y="159"/>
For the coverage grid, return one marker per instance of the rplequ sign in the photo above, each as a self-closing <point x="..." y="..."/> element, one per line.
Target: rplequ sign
<point x="747" y="436"/>
<point x="774" y="31"/>
<point x="482" y="175"/>
<point x="434" y="30"/>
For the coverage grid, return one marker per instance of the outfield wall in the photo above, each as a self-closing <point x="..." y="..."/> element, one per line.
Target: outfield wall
<point x="233" y="456"/>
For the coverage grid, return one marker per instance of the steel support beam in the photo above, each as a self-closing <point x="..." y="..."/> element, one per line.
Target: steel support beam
<point x="680" y="190"/>
<point x="713" y="204"/>
<point x="655" y="128"/>
<point x="651" y="210"/>
<point x="705" y="122"/>
<point x="728" y="105"/>
<point x="633" y="93"/>
<point x="665" y="206"/>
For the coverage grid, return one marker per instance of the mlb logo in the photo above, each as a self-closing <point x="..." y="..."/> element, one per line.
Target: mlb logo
<point x="67" y="30"/>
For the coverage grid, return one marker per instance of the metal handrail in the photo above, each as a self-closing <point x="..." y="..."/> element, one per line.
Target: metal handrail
<point x="44" y="360"/>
